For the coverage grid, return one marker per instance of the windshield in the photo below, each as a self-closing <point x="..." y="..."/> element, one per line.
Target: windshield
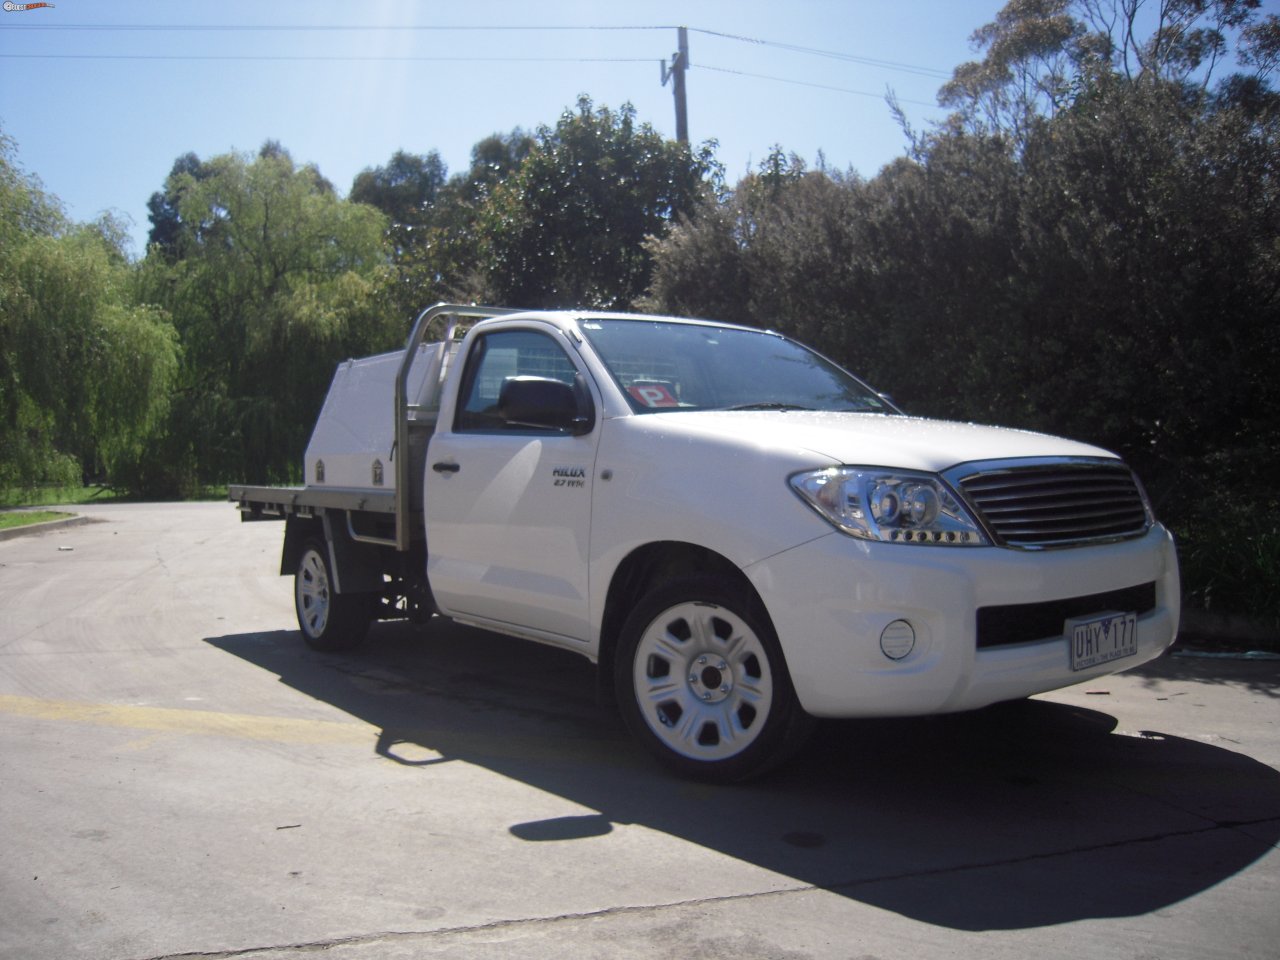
<point x="664" y="366"/>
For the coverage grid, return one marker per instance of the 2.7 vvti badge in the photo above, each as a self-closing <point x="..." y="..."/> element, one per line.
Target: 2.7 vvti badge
<point x="738" y="532"/>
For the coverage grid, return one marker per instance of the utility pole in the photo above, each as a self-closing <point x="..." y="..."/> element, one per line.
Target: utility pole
<point x="675" y="73"/>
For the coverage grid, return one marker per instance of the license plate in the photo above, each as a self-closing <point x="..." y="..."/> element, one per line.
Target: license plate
<point x="1101" y="639"/>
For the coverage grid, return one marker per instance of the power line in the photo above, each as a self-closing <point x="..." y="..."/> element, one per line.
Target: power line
<point x="475" y="28"/>
<point x="385" y="58"/>
<point x="831" y="54"/>
<point x="317" y="58"/>
<point x="490" y="28"/>
<point x="805" y="83"/>
<point x="303" y="27"/>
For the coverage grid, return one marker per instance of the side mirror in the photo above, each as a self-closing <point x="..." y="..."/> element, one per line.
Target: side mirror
<point x="545" y="404"/>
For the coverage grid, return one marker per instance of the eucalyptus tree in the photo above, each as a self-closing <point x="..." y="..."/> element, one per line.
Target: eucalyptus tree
<point x="432" y="217"/>
<point x="1039" y="56"/>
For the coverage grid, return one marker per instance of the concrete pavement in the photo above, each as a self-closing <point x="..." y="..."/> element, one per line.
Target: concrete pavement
<point x="179" y="775"/>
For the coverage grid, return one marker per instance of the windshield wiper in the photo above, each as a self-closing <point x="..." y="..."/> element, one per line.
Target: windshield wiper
<point x="768" y="405"/>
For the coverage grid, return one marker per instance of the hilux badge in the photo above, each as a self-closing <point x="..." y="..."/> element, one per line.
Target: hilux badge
<point x="569" y="476"/>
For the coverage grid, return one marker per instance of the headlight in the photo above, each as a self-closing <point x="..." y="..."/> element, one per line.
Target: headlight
<point x="894" y="506"/>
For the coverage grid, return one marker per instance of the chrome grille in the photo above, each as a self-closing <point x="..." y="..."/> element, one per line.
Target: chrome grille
<point x="1058" y="504"/>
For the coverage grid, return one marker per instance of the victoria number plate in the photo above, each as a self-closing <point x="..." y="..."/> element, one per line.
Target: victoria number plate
<point x="1101" y="639"/>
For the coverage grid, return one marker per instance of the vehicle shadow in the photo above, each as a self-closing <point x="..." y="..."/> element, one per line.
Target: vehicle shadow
<point x="1022" y="815"/>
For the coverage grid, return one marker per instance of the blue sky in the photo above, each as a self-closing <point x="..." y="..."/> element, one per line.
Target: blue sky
<point x="102" y="95"/>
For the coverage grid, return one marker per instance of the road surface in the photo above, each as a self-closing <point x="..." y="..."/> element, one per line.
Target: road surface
<point x="180" y="776"/>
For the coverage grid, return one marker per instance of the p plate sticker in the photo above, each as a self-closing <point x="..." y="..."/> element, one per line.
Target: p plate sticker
<point x="653" y="394"/>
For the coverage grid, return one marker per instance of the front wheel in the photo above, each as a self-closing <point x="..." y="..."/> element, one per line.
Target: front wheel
<point x="329" y="620"/>
<point x="701" y="681"/>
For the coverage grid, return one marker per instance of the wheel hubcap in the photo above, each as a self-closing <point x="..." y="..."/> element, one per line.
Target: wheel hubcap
<point x="711" y="679"/>
<point x="312" y="586"/>
<point x="702" y="681"/>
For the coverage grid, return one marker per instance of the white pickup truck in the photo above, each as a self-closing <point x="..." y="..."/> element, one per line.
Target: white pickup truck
<point x="740" y="534"/>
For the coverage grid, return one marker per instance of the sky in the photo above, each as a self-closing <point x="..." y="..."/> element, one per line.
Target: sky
<point x="101" y="96"/>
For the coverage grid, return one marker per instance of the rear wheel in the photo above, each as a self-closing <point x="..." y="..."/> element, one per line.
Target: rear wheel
<point x="701" y="681"/>
<point x="328" y="620"/>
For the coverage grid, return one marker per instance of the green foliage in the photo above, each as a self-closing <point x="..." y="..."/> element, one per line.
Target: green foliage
<point x="1041" y="55"/>
<point x="1111" y="273"/>
<point x="45" y="496"/>
<point x="1232" y="564"/>
<point x="405" y="189"/>
<point x="28" y="458"/>
<point x="98" y="365"/>
<point x="776" y="253"/>
<point x="25" y="518"/>
<point x="85" y="370"/>
<point x="1034" y="50"/>
<point x="432" y="218"/>
<point x="568" y="227"/>
<point x="451" y="263"/>
<point x="166" y="224"/>
<point x="272" y="280"/>
<point x="1087" y="246"/>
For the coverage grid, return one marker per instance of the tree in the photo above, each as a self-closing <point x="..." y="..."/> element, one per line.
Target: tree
<point x="885" y="276"/>
<point x="1108" y="271"/>
<point x="1149" y="242"/>
<point x="166" y="228"/>
<point x="27" y="453"/>
<point x="85" y="369"/>
<point x="493" y="160"/>
<point x="450" y="262"/>
<point x="1040" y="55"/>
<point x="275" y="280"/>
<point x="775" y="253"/>
<point x="405" y="190"/>
<point x="568" y="227"/>
<point x="1034" y="49"/>
<point x="433" y="217"/>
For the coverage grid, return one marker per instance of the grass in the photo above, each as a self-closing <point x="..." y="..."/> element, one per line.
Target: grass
<point x="45" y="497"/>
<point x="54" y="496"/>
<point x="70" y="496"/>
<point x="24" y="518"/>
<point x="66" y="496"/>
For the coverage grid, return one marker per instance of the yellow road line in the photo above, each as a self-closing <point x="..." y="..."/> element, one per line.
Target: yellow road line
<point x="200" y="722"/>
<point x="412" y="748"/>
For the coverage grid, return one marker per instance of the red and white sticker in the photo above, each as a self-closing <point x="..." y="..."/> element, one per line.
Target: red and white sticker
<point x="653" y="394"/>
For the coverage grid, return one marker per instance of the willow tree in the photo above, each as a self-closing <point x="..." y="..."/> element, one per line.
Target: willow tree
<point x="271" y="279"/>
<point x="85" y="369"/>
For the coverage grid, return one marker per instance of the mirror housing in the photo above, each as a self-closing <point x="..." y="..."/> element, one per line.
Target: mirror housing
<point x="545" y="404"/>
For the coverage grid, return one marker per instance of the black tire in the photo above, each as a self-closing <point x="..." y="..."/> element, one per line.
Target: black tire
<point x="329" y="620"/>
<point x="701" y="681"/>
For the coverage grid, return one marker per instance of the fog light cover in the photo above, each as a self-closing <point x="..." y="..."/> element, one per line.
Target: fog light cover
<point x="897" y="640"/>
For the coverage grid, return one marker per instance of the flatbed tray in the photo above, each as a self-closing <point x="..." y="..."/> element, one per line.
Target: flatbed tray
<point x="273" y="503"/>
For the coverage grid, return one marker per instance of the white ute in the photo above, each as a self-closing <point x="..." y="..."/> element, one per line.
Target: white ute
<point x="740" y="534"/>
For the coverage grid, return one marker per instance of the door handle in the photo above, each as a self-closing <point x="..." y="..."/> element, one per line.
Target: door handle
<point x="446" y="467"/>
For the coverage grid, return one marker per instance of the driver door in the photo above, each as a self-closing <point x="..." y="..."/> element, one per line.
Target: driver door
<point x="508" y="507"/>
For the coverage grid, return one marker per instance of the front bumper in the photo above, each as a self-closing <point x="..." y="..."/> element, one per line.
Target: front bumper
<point x="830" y="600"/>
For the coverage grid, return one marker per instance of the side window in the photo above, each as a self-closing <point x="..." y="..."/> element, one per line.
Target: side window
<point x="496" y="358"/>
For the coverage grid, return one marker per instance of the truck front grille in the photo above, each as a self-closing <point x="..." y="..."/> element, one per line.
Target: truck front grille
<point x="1059" y="504"/>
